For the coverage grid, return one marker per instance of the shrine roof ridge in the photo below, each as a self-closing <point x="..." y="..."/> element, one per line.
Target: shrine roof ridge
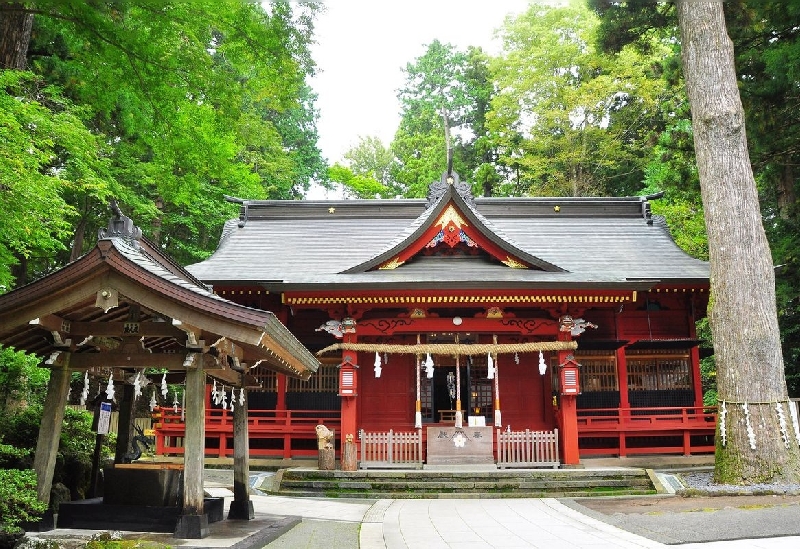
<point x="629" y="206"/>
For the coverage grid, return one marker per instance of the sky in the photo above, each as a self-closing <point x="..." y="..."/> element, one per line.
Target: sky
<point x="362" y="47"/>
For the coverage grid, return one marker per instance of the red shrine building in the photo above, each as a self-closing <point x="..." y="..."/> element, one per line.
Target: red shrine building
<point x="464" y="320"/>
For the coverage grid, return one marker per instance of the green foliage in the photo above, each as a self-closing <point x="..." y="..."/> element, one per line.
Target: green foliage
<point x="447" y="91"/>
<point x="20" y="427"/>
<point x="672" y="169"/>
<point x="369" y="158"/>
<point x="12" y="457"/>
<point x="107" y="540"/>
<point x="167" y="107"/>
<point x="22" y="382"/>
<point x="569" y="120"/>
<point x="76" y="447"/>
<point x="48" y="157"/>
<point x="18" y="500"/>
<point x="359" y="186"/>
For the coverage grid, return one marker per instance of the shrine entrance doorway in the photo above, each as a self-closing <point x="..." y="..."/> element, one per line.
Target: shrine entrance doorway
<point x="438" y="395"/>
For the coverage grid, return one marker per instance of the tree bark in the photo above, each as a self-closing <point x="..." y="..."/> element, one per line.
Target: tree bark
<point x="756" y="439"/>
<point x="15" y="35"/>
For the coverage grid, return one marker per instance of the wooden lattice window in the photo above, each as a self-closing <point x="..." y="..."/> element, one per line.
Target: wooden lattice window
<point x="481" y="401"/>
<point x="425" y="396"/>
<point x="598" y="371"/>
<point x="650" y="370"/>
<point x="268" y="379"/>
<point x="326" y="380"/>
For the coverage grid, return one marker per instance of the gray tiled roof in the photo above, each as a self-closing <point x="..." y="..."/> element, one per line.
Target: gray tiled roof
<point x="598" y="242"/>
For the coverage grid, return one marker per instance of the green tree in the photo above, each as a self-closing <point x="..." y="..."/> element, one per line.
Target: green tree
<point x="47" y="154"/>
<point x="370" y="158"/>
<point x="569" y="120"/>
<point x="443" y="106"/>
<point x="765" y="41"/>
<point x="755" y="444"/>
<point x="22" y="381"/>
<point x="358" y="186"/>
<point x="190" y="101"/>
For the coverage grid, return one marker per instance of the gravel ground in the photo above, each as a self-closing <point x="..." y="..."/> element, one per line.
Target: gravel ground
<point x="703" y="481"/>
<point x="703" y="512"/>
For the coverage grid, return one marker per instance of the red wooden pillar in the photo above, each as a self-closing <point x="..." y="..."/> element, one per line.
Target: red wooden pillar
<point x="694" y="357"/>
<point x="281" y="383"/>
<point x="280" y="389"/>
<point x="568" y="411"/>
<point x="348" y="376"/>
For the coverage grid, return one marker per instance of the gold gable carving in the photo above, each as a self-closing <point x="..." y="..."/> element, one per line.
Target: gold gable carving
<point x="513" y="263"/>
<point x="392" y="264"/>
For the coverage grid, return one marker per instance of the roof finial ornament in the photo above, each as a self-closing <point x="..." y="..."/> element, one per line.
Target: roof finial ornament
<point x="450" y="179"/>
<point x="437" y="189"/>
<point x="120" y="226"/>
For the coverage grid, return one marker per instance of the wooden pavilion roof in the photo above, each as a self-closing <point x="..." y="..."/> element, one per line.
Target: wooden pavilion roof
<point x="127" y="305"/>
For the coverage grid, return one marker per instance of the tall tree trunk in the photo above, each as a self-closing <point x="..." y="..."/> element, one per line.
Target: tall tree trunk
<point x="77" y="241"/>
<point x="15" y="35"/>
<point x="757" y="436"/>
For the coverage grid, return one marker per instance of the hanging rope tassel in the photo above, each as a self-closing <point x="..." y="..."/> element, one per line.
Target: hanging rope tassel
<point x="110" y="387"/>
<point x="137" y="385"/>
<point x="489" y="367"/>
<point x="377" y="365"/>
<point x="542" y="365"/>
<point x="85" y="392"/>
<point x="429" y="367"/>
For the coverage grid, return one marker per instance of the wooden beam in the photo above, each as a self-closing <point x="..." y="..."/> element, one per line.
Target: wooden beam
<point x="231" y="377"/>
<point x="86" y="361"/>
<point x="193" y="333"/>
<point x="227" y="347"/>
<point x="66" y="327"/>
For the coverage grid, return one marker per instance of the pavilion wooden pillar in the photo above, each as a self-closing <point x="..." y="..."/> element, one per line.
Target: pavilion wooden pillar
<point x="125" y="422"/>
<point x="241" y="506"/>
<point x="44" y="462"/>
<point x="193" y="522"/>
<point x="568" y="410"/>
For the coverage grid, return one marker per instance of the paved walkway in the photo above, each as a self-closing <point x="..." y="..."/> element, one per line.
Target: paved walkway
<point x="462" y="524"/>
<point x="312" y="523"/>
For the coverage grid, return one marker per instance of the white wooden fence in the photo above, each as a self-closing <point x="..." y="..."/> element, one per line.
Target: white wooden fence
<point x="527" y="449"/>
<point x="392" y="449"/>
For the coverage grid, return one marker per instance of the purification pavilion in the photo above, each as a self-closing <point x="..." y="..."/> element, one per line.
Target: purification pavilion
<point x="114" y="313"/>
<point x="460" y="318"/>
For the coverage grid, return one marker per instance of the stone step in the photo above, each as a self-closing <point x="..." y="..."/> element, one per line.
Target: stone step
<point x="416" y="483"/>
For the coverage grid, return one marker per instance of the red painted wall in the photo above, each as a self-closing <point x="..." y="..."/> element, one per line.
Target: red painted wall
<point x="386" y="402"/>
<point x="525" y="396"/>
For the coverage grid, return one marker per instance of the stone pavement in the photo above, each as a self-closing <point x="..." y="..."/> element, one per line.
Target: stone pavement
<point x="310" y="523"/>
<point x="466" y="524"/>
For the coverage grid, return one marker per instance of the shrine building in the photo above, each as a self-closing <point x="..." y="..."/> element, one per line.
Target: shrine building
<point x="463" y="321"/>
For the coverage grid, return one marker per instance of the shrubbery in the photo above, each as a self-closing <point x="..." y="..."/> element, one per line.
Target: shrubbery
<point x="18" y="502"/>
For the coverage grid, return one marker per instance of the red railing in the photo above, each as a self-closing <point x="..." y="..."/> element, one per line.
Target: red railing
<point x="271" y="432"/>
<point x="617" y="425"/>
